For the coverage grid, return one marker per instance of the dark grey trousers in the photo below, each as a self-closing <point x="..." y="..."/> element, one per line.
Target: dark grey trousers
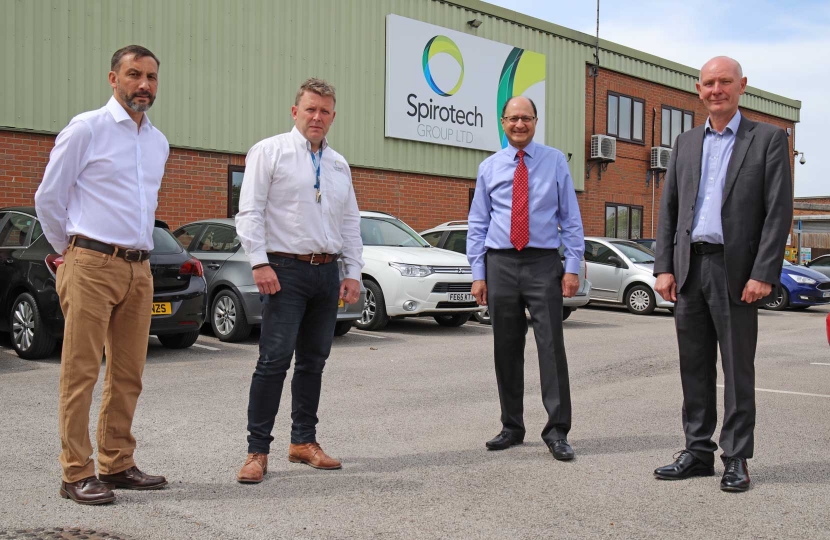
<point x="529" y="278"/>
<point x="705" y="318"/>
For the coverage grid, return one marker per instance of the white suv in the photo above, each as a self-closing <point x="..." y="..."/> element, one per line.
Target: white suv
<point x="452" y="235"/>
<point x="404" y="276"/>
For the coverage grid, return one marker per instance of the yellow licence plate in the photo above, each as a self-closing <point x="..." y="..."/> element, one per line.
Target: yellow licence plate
<point x="162" y="308"/>
<point x="341" y="303"/>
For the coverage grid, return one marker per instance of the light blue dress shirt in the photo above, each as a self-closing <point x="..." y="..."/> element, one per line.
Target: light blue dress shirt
<point x="552" y="206"/>
<point x="717" y="150"/>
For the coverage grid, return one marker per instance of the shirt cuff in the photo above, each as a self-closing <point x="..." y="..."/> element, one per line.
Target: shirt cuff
<point x="572" y="266"/>
<point x="258" y="258"/>
<point x="352" y="272"/>
<point x="479" y="273"/>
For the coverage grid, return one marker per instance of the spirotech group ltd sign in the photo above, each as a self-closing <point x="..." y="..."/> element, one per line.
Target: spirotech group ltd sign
<point x="447" y="87"/>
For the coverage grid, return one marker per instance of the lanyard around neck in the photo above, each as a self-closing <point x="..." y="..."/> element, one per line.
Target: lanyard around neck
<point x="317" y="161"/>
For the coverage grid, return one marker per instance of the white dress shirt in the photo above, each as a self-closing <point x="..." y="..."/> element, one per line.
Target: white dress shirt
<point x="102" y="180"/>
<point x="278" y="208"/>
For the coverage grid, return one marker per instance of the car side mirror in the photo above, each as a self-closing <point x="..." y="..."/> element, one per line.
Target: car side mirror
<point x="613" y="259"/>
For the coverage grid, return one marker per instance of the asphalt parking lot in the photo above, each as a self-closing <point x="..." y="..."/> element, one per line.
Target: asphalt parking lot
<point x="408" y="410"/>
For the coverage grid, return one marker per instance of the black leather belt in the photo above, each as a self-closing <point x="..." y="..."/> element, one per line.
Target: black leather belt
<point x="705" y="248"/>
<point x="129" y="255"/>
<point x="312" y="258"/>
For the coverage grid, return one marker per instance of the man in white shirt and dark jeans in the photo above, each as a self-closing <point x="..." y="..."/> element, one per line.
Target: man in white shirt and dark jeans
<point x="97" y="204"/>
<point x="297" y="215"/>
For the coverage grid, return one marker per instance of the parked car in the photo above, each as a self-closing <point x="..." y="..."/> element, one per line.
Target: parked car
<point x="820" y="264"/>
<point x="29" y="306"/>
<point x="233" y="297"/>
<point x="801" y="287"/>
<point x="405" y="276"/>
<point x="622" y="273"/>
<point x="648" y="243"/>
<point x="452" y="235"/>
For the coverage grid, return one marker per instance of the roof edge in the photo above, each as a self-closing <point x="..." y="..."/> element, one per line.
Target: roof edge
<point x="589" y="40"/>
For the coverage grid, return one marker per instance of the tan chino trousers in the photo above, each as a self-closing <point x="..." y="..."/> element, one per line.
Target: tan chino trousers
<point x="106" y="303"/>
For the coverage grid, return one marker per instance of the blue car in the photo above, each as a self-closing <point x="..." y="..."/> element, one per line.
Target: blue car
<point x="801" y="287"/>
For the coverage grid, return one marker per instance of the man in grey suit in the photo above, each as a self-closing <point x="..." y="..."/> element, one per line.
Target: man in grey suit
<point x="725" y="214"/>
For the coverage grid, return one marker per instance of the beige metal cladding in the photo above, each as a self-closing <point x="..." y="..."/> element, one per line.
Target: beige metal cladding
<point x="230" y="68"/>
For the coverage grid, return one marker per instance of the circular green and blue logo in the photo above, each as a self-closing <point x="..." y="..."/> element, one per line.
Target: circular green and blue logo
<point x="438" y="45"/>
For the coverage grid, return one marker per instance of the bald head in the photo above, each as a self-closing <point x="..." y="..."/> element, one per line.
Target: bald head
<point x="725" y="63"/>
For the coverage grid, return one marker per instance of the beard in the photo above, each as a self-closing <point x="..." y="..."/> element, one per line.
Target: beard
<point x="129" y="99"/>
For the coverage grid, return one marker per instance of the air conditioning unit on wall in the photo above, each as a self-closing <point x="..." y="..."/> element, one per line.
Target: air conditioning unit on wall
<point x="603" y="148"/>
<point x="660" y="158"/>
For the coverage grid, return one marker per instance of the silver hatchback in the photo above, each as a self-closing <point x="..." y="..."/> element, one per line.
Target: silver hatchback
<point x="233" y="299"/>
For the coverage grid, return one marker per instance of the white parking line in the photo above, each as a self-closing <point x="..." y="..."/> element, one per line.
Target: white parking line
<point x="819" y="364"/>
<point x="786" y="392"/>
<point x="365" y="334"/>
<point x="205" y="347"/>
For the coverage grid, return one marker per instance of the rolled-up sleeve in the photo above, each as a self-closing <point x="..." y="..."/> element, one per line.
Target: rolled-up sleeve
<point x="478" y="223"/>
<point x="66" y="161"/>
<point x="570" y="219"/>
<point x="352" y="251"/>
<point x="250" y="220"/>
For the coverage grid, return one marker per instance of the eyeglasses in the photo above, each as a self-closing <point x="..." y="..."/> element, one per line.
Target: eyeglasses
<point x="515" y="119"/>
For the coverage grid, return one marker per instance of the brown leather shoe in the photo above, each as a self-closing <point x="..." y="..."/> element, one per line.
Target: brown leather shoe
<point x="87" y="491"/>
<point x="132" y="478"/>
<point x="311" y="454"/>
<point x="254" y="469"/>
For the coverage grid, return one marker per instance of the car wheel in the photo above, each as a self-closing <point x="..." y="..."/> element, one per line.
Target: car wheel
<point x="227" y="317"/>
<point x="566" y="312"/>
<point x="640" y="300"/>
<point x="179" y="341"/>
<point x="342" y="328"/>
<point x="454" y="320"/>
<point x="780" y="301"/>
<point x="30" y="339"/>
<point x="482" y="316"/>
<point x="374" y="308"/>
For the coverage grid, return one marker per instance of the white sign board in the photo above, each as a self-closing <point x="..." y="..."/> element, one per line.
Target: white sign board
<point x="806" y="255"/>
<point x="448" y="87"/>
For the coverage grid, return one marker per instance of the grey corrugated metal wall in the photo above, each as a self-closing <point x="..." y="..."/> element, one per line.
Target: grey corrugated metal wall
<point x="229" y="70"/>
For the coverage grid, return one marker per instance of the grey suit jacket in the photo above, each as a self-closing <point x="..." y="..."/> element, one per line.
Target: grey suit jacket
<point x="757" y="209"/>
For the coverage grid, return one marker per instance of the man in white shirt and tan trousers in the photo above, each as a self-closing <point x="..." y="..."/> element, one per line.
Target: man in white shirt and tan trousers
<point x="97" y="205"/>
<point x="297" y="215"/>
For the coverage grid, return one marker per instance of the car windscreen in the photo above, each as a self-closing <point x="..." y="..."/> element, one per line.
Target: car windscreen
<point x="635" y="252"/>
<point x="389" y="232"/>
<point x="165" y="243"/>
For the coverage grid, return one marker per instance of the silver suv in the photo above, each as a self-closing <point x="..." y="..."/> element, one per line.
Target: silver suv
<point x="452" y="235"/>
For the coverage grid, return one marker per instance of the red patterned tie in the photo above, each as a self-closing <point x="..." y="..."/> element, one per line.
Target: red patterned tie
<point x="520" y="220"/>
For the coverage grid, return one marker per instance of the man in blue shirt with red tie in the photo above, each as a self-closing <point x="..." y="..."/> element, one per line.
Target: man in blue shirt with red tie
<point x="524" y="207"/>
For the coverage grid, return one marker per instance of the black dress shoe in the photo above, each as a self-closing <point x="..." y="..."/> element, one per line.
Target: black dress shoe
<point x="685" y="466"/>
<point x="504" y="440"/>
<point x="87" y="491"/>
<point x="133" y="478"/>
<point x="561" y="450"/>
<point x="736" y="475"/>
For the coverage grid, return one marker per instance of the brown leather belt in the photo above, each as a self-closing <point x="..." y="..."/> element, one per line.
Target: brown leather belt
<point x="129" y="255"/>
<point x="313" y="258"/>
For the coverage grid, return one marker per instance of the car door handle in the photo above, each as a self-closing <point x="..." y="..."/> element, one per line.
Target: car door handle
<point x="214" y="266"/>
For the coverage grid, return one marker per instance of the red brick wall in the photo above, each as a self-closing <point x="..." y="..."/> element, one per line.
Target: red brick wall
<point x="195" y="184"/>
<point x="624" y="181"/>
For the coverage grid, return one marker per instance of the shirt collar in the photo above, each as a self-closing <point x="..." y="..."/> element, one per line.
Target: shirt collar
<point x="305" y="142"/>
<point x="120" y="115"/>
<point x="731" y="126"/>
<point x="530" y="149"/>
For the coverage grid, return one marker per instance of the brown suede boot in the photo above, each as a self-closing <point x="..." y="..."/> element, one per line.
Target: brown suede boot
<point x="311" y="454"/>
<point x="254" y="469"/>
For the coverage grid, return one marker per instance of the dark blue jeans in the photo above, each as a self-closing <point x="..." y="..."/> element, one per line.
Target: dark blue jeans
<point x="297" y="321"/>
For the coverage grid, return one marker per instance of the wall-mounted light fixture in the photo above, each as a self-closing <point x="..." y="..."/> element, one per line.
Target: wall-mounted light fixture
<point x="475" y="23"/>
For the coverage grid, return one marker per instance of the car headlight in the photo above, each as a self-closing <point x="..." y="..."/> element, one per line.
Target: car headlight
<point x="803" y="279"/>
<point x="412" y="270"/>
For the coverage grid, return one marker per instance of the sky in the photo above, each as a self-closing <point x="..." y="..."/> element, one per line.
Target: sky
<point x="783" y="46"/>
